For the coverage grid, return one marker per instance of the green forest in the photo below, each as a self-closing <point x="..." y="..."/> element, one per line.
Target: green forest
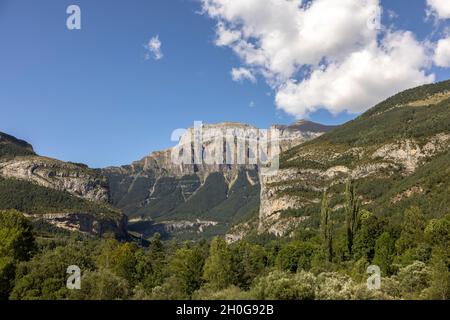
<point x="329" y="261"/>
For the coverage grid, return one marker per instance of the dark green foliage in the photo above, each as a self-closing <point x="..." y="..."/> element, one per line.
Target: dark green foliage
<point x="218" y="267"/>
<point x="44" y="276"/>
<point x="213" y="192"/>
<point x="101" y="285"/>
<point x="412" y="230"/>
<point x="295" y="256"/>
<point x="31" y="198"/>
<point x="16" y="237"/>
<point x="187" y="268"/>
<point x="364" y="242"/>
<point x="437" y="231"/>
<point x="440" y="274"/>
<point x="384" y="253"/>
<point x="241" y="201"/>
<point x="248" y="262"/>
<point x="17" y="244"/>
<point x="326" y="228"/>
<point x="352" y="218"/>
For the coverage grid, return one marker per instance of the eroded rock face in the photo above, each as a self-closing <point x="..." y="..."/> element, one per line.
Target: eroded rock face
<point x="299" y="132"/>
<point x="410" y="153"/>
<point x="75" y="179"/>
<point x="143" y="187"/>
<point x="85" y="223"/>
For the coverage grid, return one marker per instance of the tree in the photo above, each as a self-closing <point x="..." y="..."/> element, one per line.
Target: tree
<point x="187" y="267"/>
<point x="45" y="275"/>
<point x="118" y="258"/>
<point x="248" y="261"/>
<point x="437" y="232"/>
<point x="101" y="285"/>
<point x="123" y="262"/>
<point x="384" y="253"/>
<point x="218" y="267"/>
<point x="364" y="240"/>
<point x="156" y="247"/>
<point x="352" y="220"/>
<point x="296" y="256"/>
<point x="412" y="230"/>
<point x="326" y="228"/>
<point x="440" y="274"/>
<point x="16" y="244"/>
<point x="16" y="236"/>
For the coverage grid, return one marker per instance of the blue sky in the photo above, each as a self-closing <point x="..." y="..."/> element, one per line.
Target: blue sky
<point x="90" y="95"/>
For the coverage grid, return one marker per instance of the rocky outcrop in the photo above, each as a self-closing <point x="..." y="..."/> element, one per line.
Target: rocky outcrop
<point x="299" y="132"/>
<point x="409" y="153"/>
<point x="73" y="178"/>
<point x="85" y="223"/>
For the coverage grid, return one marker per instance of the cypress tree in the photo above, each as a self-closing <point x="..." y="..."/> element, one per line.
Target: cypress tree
<point x="326" y="227"/>
<point x="352" y="206"/>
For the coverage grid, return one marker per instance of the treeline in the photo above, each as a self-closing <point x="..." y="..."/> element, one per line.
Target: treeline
<point x="327" y="262"/>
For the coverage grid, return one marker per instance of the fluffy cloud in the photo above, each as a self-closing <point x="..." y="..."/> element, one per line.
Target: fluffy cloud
<point x="440" y="7"/>
<point x="154" y="49"/>
<point x="320" y="54"/>
<point x="360" y="80"/>
<point x="241" y="74"/>
<point x="442" y="53"/>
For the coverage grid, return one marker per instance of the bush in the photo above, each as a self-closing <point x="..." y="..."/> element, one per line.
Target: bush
<point x="280" y="285"/>
<point x="334" y="286"/>
<point x="101" y="285"/>
<point x="413" y="279"/>
<point x="230" y="293"/>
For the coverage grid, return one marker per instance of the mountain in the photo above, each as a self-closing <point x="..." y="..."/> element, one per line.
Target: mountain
<point x="68" y="195"/>
<point x="159" y="195"/>
<point x="397" y="153"/>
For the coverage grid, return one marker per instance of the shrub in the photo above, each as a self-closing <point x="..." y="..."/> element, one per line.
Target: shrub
<point x="280" y="285"/>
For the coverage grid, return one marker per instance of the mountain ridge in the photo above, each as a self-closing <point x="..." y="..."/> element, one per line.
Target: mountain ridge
<point x="386" y="151"/>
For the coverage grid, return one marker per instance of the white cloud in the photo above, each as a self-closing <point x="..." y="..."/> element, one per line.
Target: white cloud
<point x="252" y="104"/>
<point x="154" y="49"/>
<point x="320" y="54"/>
<point x="361" y="80"/>
<point x="241" y="74"/>
<point x="226" y="37"/>
<point x="442" y="53"/>
<point x="441" y="8"/>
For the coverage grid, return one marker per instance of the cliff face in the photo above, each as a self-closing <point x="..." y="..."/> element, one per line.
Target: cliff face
<point x="85" y="223"/>
<point x="164" y="189"/>
<point x="75" y="179"/>
<point x="397" y="153"/>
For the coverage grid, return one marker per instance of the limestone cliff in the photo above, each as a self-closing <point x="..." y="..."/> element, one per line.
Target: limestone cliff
<point x="164" y="189"/>
<point x="76" y="179"/>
